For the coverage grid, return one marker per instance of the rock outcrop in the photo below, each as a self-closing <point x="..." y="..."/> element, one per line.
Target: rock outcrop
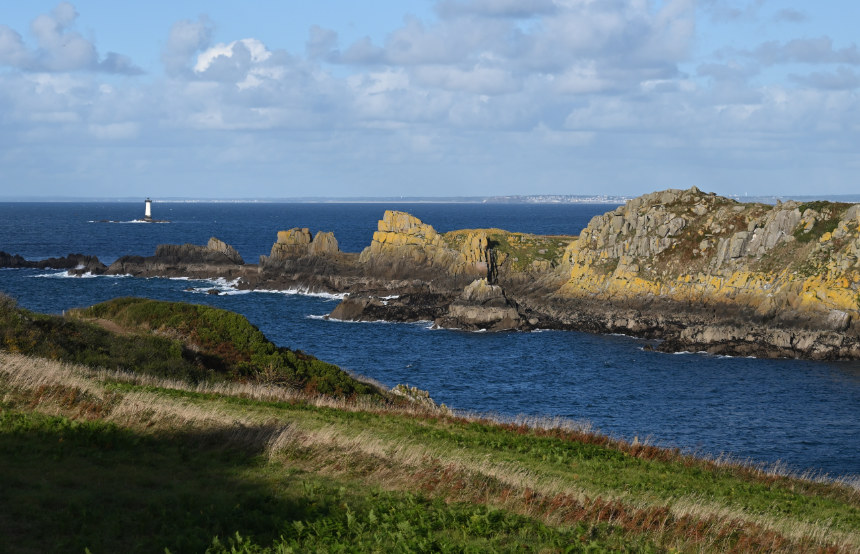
<point x="695" y="270"/>
<point x="78" y="263"/>
<point x="297" y="243"/>
<point x="221" y="247"/>
<point x="405" y="248"/>
<point x="481" y="306"/>
<point x="792" y="266"/>
<point x="690" y="246"/>
<point x="216" y="259"/>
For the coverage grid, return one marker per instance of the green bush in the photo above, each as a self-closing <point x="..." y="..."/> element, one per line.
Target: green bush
<point x="170" y="339"/>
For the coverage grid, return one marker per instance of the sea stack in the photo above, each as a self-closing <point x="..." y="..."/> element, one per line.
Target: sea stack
<point x="147" y="214"/>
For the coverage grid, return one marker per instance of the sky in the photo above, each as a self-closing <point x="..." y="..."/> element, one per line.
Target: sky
<point x="274" y="99"/>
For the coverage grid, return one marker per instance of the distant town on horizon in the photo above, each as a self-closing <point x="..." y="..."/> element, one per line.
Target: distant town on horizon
<point x="509" y="199"/>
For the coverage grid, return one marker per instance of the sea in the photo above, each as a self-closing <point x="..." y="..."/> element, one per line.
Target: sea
<point x="803" y="415"/>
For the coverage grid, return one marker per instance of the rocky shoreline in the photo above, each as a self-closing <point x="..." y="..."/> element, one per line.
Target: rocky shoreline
<point x="697" y="271"/>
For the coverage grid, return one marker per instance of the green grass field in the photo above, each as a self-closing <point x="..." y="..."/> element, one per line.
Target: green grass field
<point x="122" y="461"/>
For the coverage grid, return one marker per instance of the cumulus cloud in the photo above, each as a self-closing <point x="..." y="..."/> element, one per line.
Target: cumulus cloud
<point x="574" y="47"/>
<point x="59" y="47"/>
<point x="13" y="52"/>
<point x="482" y="88"/>
<point x="321" y="44"/>
<point x="185" y="39"/>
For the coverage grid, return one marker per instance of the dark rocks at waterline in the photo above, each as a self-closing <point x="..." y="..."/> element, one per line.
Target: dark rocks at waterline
<point x="78" y="264"/>
<point x="482" y="306"/>
<point x="216" y="259"/>
<point x="409" y="307"/>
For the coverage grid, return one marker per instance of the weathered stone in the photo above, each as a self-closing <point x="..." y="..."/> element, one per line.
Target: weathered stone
<point x="225" y="249"/>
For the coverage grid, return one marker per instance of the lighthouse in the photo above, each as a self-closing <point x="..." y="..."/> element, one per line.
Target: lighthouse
<point x="147" y="213"/>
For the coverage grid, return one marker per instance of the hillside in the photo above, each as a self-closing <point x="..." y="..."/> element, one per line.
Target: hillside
<point x="136" y="461"/>
<point x="173" y="340"/>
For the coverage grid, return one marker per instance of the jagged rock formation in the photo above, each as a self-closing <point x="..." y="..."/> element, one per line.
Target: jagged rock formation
<point x="297" y="243"/>
<point x="405" y="248"/>
<point x="216" y="245"/>
<point x="698" y="271"/>
<point x="739" y="270"/>
<point x="481" y="306"/>
<point x="788" y="261"/>
<point x="216" y="259"/>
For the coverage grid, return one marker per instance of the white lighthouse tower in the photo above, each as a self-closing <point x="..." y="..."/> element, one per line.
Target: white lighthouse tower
<point x="147" y="214"/>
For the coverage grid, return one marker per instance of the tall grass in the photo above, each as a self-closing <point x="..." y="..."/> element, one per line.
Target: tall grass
<point x="557" y="474"/>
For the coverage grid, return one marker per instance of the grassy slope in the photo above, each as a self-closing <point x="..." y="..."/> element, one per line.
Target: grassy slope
<point x="170" y="339"/>
<point x="119" y="461"/>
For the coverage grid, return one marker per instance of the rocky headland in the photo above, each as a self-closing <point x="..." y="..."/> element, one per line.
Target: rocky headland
<point x="694" y="270"/>
<point x="76" y="263"/>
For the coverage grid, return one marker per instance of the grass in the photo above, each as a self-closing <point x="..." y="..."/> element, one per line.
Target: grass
<point x="170" y="339"/>
<point x="111" y="461"/>
<point x="519" y="250"/>
<point x="831" y="213"/>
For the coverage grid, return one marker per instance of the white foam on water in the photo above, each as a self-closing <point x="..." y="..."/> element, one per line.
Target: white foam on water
<point x="66" y="275"/>
<point x="305" y="292"/>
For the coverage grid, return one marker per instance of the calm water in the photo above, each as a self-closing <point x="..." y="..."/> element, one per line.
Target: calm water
<point x="806" y="414"/>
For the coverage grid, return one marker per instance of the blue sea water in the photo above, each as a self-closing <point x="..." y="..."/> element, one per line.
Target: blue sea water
<point x="806" y="414"/>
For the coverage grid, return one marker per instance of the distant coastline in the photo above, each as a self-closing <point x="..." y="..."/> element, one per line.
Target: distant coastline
<point x="510" y="199"/>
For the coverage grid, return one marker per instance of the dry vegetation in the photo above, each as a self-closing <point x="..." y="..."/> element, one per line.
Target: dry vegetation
<point x="409" y="477"/>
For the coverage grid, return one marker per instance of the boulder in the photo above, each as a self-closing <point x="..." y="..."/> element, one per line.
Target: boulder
<point x="481" y="306"/>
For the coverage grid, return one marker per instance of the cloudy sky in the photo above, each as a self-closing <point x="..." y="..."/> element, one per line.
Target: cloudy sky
<point x="428" y="97"/>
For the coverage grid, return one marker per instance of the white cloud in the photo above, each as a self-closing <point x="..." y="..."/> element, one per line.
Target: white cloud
<point x="186" y="38"/>
<point x="842" y="79"/>
<point x="13" y="52"/>
<point x="60" y="49"/>
<point x="517" y="91"/>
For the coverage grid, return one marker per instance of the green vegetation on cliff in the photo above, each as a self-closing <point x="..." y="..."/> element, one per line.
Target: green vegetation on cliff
<point x="169" y="339"/>
<point x="521" y="251"/>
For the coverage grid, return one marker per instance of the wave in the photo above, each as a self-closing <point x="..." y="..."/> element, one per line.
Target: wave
<point x="325" y="295"/>
<point x="226" y="287"/>
<point x="129" y="221"/>
<point x="421" y="323"/>
<point x="219" y="284"/>
<point x="66" y="275"/>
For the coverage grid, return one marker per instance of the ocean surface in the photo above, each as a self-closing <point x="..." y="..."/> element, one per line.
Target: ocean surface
<point x="804" y="414"/>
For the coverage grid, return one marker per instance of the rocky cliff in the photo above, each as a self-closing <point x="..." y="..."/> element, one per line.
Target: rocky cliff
<point x="792" y="267"/>
<point x="786" y="261"/>
<point x="403" y="247"/>
<point x="695" y="270"/>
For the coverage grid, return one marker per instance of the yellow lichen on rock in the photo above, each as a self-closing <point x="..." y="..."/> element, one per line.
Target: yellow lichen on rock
<point x="758" y="256"/>
<point x="402" y="236"/>
<point x="297" y="242"/>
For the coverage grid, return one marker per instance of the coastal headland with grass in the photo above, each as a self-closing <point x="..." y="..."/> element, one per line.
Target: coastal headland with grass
<point x="140" y="425"/>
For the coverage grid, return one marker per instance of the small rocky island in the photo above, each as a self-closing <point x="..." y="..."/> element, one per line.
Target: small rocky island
<point x="695" y="270"/>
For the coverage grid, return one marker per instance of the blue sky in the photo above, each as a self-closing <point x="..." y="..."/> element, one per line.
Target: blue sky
<point x="428" y="98"/>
